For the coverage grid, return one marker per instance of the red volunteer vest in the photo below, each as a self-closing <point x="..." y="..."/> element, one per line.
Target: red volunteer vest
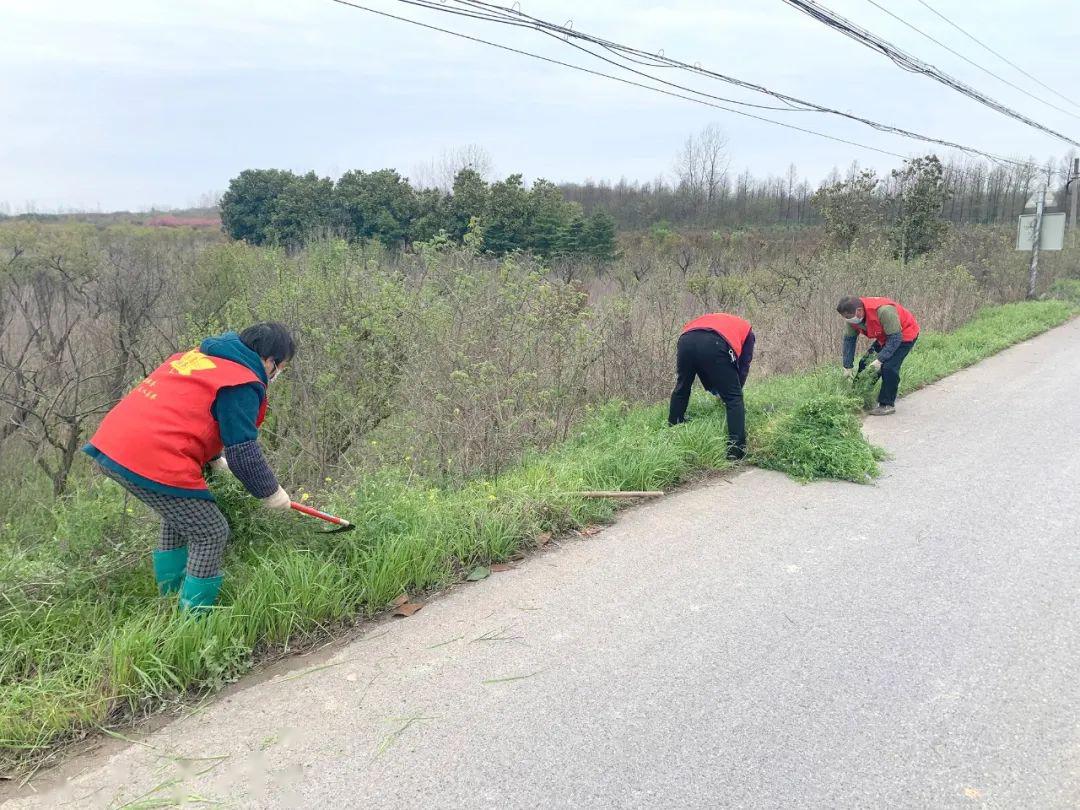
<point x="909" y="327"/>
<point x="163" y="430"/>
<point x="731" y="328"/>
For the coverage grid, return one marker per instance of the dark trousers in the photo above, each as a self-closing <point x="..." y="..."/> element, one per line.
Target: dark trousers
<point x="707" y="356"/>
<point x="890" y="374"/>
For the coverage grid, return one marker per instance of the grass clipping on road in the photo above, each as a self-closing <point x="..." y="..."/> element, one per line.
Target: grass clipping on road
<point x="86" y="641"/>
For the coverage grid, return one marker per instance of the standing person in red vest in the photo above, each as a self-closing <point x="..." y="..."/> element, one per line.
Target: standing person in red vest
<point x="199" y="408"/>
<point x="718" y="350"/>
<point x="893" y="331"/>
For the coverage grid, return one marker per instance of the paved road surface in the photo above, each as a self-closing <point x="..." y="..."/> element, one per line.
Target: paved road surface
<point x="750" y="643"/>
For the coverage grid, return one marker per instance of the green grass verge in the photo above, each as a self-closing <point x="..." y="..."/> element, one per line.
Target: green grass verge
<point x="85" y="640"/>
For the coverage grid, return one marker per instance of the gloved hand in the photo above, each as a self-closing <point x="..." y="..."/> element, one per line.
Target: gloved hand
<point x="849" y="372"/>
<point x="219" y="465"/>
<point x="875" y="364"/>
<point x="279" y="500"/>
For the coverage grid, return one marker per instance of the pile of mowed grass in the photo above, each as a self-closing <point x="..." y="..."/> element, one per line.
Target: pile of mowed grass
<point x="85" y="641"/>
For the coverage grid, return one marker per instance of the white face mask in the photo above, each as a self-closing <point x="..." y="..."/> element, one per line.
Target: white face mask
<point x="854" y="321"/>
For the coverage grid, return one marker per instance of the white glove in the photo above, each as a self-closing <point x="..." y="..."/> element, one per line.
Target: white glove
<point x="279" y="500"/>
<point x="875" y="364"/>
<point x="848" y="372"/>
<point x="219" y="465"/>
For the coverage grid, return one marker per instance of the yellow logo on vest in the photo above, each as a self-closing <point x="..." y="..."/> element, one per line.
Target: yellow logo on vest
<point x="192" y="361"/>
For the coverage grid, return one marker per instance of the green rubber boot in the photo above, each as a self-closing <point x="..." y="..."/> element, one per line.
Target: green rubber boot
<point x="199" y="594"/>
<point x="169" y="567"/>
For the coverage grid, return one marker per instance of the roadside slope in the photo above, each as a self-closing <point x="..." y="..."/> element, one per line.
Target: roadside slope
<point x="753" y="642"/>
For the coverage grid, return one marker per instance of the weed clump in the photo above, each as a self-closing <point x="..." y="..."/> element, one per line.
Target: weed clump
<point x="820" y="438"/>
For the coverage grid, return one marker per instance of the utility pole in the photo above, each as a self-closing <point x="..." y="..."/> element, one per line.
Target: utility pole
<point x="1074" y="183"/>
<point x="1033" y="270"/>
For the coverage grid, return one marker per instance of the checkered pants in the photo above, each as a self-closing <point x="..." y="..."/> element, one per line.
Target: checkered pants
<point x="192" y="522"/>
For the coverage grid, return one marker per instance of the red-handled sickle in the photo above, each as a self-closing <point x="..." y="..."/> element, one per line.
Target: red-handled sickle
<point x="342" y="524"/>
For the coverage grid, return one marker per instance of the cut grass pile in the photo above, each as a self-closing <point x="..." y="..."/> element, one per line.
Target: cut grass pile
<point x="84" y="640"/>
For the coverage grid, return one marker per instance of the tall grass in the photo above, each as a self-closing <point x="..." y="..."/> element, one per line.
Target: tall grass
<point x="86" y="640"/>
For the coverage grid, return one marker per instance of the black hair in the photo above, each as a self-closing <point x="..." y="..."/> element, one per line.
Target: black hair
<point x="848" y="305"/>
<point x="270" y="340"/>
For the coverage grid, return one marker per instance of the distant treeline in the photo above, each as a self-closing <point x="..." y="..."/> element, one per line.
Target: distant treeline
<point x="976" y="193"/>
<point x="270" y="206"/>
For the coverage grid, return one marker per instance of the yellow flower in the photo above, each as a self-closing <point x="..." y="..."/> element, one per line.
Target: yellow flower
<point x="304" y="497"/>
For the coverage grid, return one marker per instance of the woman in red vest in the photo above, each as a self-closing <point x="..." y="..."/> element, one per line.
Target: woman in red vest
<point x="893" y="331"/>
<point x="201" y="407"/>
<point x="718" y="350"/>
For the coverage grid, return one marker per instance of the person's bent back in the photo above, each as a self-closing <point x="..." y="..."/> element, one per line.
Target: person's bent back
<point x="717" y="349"/>
<point x="199" y="408"/>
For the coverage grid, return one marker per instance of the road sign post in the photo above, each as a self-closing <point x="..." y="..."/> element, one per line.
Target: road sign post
<point x="1033" y="268"/>
<point x="1074" y="182"/>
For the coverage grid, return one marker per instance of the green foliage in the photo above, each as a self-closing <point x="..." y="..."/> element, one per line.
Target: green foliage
<point x="247" y="208"/>
<point x="850" y="208"/>
<point x="819" y="438"/>
<point x="919" y="199"/>
<point x="600" y="236"/>
<point x="662" y="232"/>
<point x="269" y="207"/>
<point x="507" y="218"/>
<point x="304" y="209"/>
<point x="572" y="237"/>
<point x="468" y="201"/>
<point x="347" y="317"/>
<point x="548" y="216"/>
<point x="376" y="205"/>
<point x="1066" y="289"/>
<point x="84" y="638"/>
<point x="431" y="215"/>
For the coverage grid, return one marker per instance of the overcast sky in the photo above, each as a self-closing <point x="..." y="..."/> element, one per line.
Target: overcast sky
<point x="124" y="104"/>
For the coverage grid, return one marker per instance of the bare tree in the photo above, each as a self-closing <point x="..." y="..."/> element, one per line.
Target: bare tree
<point x="440" y="172"/>
<point x="51" y="385"/>
<point x="702" y="169"/>
<point x="82" y="315"/>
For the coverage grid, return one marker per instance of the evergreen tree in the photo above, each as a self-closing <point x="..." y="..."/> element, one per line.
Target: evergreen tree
<point x="469" y="199"/>
<point x="431" y="215"/>
<point x="376" y="205"/>
<point x="303" y="209"/>
<point x="572" y="236"/>
<point x="919" y="200"/>
<point x="248" y="205"/>
<point x="549" y="214"/>
<point x="506" y="220"/>
<point x="600" y="236"/>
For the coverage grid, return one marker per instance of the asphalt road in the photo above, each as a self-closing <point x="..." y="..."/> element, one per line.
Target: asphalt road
<point x="750" y="643"/>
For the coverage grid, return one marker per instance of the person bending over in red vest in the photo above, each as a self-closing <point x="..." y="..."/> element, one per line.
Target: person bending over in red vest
<point x="199" y="408"/>
<point x="718" y="350"/>
<point x="893" y="331"/>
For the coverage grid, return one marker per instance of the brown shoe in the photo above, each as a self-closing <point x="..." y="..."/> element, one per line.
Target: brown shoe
<point x="883" y="410"/>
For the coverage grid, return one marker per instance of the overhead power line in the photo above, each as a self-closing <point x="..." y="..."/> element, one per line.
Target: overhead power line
<point x="987" y="71"/>
<point x="619" y="79"/>
<point x="1003" y="58"/>
<point x="565" y="33"/>
<point x="474" y="9"/>
<point x="911" y="63"/>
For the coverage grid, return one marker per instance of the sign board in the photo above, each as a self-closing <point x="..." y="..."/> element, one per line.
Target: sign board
<point x="1053" y="232"/>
